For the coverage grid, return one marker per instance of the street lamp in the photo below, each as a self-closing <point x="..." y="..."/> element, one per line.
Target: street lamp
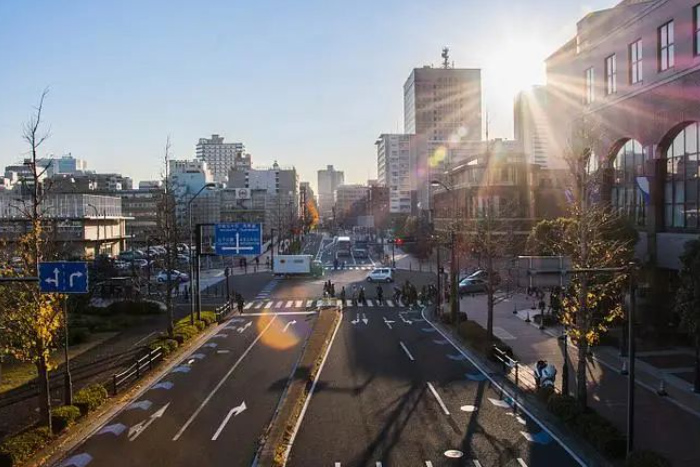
<point x="454" y="304"/>
<point x="207" y="186"/>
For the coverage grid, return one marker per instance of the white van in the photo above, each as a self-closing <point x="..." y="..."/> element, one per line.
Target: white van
<point x="381" y="275"/>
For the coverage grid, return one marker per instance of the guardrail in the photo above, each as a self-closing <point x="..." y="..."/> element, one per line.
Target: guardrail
<point x="521" y="375"/>
<point x="135" y="371"/>
<point x="222" y="311"/>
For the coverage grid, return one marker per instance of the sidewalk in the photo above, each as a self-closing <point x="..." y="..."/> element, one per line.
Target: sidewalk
<point x="669" y="425"/>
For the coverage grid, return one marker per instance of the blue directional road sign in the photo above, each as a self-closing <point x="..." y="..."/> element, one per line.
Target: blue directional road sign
<point x="240" y="238"/>
<point x="63" y="277"/>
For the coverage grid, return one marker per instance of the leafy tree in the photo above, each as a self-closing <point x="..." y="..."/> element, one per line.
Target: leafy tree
<point x="687" y="303"/>
<point x="594" y="236"/>
<point x="418" y="230"/>
<point x="312" y="216"/>
<point x="31" y="321"/>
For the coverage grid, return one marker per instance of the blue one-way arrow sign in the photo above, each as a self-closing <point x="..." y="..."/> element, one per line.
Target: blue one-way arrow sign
<point x="63" y="277"/>
<point x="240" y="238"/>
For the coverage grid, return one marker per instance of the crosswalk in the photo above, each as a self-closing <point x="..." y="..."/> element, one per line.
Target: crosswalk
<point x="298" y="304"/>
<point x="351" y="268"/>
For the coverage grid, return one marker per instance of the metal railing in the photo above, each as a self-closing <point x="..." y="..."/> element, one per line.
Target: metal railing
<point x="222" y="311"/>
<point x="521" y="375"/>
<point x="137" y="369"/>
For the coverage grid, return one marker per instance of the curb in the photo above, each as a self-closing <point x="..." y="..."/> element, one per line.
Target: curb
<point x="64" y="445"/>
<point x="585" y="455"/>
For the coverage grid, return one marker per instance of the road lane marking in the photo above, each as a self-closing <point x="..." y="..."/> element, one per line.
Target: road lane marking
<point x="369" y="302"/>
<point x="283" y="313"/>
<point x="298" y="303"/>
<point x="521" y="462"/>
<point x="389" y="303"/>
<point x="136" y="430"/>
<point x="279" y="304"/>
<point x="575" y="456"/>
<point x="348" y="303"/>
<point x="337" y="464"/>
<point x="388" y="322"/>
<point x="378" y="464"/>
<point x="236" y="410"/>
<point x="310" y="394"/>
<point x="268" y="305"/>
<point x="289" y="304"/>
<point x="223" y="380"/>
<point x="248" y="305"/>
<point x="437" y="396"/>
<point x="403" y="346"/>
<point x="428" y="464"/>
<point x="476" y="463"/>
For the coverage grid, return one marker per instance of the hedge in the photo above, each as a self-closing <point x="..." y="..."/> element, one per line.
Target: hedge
<point x="63" y="417"/>
<point x="166" y="344"/>
<point x="184" y="332"/>
<point x="595" y="429"/>
<point x="90" y="398"/>
<point x="19" y="448"/>
<point x="647" y="459"/>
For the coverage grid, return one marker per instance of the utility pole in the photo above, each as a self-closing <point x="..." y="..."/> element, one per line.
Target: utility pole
<point x="632" y="355"/>
<point x="68" y="381"/>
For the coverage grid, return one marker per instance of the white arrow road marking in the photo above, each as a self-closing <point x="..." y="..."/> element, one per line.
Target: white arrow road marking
<point x="136" y="430"/>
<point x="246" y="326"/>
<point x="337" y="464"/>
<point x="221" y="334"/>
<point x="403" y="346"/>
<point x="364" y="318"/>
<point x="286" y="326"/>
<point x="357" y="319"/>
<point x="388" y="322"/>
<point x="234" y="411"/>
<point x="437" y="396"/>
<point x="70" y="278"/>
<point x="222" y="381"/>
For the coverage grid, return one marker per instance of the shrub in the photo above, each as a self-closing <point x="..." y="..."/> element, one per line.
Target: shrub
<point x="647" y="459"/>
<point x="17" y="449"/>
<point x="184" y="332"/>
<point x="200" y="325"/>
<point x="209" y="317"/>
<point x="168" y="345"/>
<point x="90" y="398"/>
<point x="564" y="407"/>
<point x="63" y="417"/>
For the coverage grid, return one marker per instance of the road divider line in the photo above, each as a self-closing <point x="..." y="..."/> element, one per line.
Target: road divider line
<point x="476" y="463"/>
<point x="403" y="346"/>
<point x="437" y="396"/>
<point x="428" y="464"/>
<point x="221" y="383"/>
<point x="503" y="391"/>
<point x="521" y="462"/>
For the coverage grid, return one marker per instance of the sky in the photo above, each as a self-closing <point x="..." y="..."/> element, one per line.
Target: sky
<point x="305" y="83"/>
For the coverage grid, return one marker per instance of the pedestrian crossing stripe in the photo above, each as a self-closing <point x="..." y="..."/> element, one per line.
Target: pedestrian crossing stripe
<point x="268" y="305"/>
<point x="309" y="303"/>
<point x="350" y="268"/>
<point x="264" y="305"/>
<point x="298" y="303"/>
<point x="279" y="305"/>
<point x="248" y="305"/>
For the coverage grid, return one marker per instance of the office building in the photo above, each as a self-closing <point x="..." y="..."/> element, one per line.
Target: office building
<point x="532" y="126"/>
<point x="220" y="157"/>
<point x="329" y="180"/>
<point x="396" y="156"/>
<point x="350" y="200"/>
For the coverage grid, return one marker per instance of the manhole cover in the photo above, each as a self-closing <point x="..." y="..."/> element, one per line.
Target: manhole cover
<point x="468" y="408"/>
<point x="453" y="454"/>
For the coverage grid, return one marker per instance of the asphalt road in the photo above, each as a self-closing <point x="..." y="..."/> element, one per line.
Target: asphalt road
<point x="394" y="392"/>
<point x="213" y="406"/>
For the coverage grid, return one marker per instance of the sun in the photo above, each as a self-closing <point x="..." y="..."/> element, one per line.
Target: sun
<point x="513" y="65"/>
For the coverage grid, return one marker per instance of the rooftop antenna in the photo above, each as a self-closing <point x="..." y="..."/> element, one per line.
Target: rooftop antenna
<point x="445" y="57"/>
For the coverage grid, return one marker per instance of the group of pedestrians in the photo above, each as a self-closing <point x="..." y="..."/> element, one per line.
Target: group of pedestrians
<point x="329" y="289"/>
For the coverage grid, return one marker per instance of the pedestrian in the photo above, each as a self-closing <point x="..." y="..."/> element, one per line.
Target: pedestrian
<point x="240" y="302"/>
<point x="335" y="264"/>
<point x="257" y="262"/>
<point x="267" y="262"/>
<point x="332" y="290"/>
<point x="354" y="295"/>
<point x="342" y="295"/>
<point x="362" y="297"/>
<point x="380" y="294"/>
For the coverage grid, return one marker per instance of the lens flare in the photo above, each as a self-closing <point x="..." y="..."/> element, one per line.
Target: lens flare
<point x="438" y="156"/>
<point x="277" y="337"/>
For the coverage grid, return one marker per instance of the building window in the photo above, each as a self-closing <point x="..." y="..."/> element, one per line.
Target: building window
<point x="696" y="29"/>
<point x="590" y="91"/>
<point x="666" y="46"/>
<point x="682" y="187"/>
<point x="626" y="195"/>
<point x="610" y="75"/>
<point x="635" y="62"/>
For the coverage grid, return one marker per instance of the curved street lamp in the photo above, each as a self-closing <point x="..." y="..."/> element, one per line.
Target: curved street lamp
<point x="207" y="186"/>
<point x="454" y="302"/>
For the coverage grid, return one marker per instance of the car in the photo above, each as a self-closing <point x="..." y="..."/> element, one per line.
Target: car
<point x="471" y="285"/>
<point x="140" y="263"/>
<point x="174" y="275"/>
<point x="360" y="253"/>
<point x="381" y="275"/>
<point x="482" y="275"/>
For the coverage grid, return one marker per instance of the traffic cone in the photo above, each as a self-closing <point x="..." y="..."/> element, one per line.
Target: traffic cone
<point x="624" y="370"/>
<point x="528" y="320"/>
<point x="662" y="387"/>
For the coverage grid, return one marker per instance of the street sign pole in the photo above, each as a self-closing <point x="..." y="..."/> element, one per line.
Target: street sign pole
<point x="68" y="381"/>
<point x="198" y="257"/>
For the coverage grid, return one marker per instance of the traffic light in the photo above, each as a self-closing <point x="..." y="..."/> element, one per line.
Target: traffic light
<point x="399" y="241"/>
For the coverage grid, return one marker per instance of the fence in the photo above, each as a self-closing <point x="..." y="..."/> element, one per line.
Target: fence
<point x="135" y="371"/>
<point x="222" y="311"/>
<point x="521" y="375"/>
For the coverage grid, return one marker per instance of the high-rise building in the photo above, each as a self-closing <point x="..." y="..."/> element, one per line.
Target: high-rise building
<point x="532" y="126"/>
<point x="442" y="103"/>
<point x="221" y="157"/>
<point x="348" y="199"/>
<point x="329" y="180"/>
<point x="395" y="169"/>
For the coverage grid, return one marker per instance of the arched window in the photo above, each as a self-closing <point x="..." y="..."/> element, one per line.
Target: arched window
<point x="681" y="185"/>
<point x="626" y="195"/>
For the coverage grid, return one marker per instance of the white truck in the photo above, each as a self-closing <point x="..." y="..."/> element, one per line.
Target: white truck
<point x="296" y="265"/>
